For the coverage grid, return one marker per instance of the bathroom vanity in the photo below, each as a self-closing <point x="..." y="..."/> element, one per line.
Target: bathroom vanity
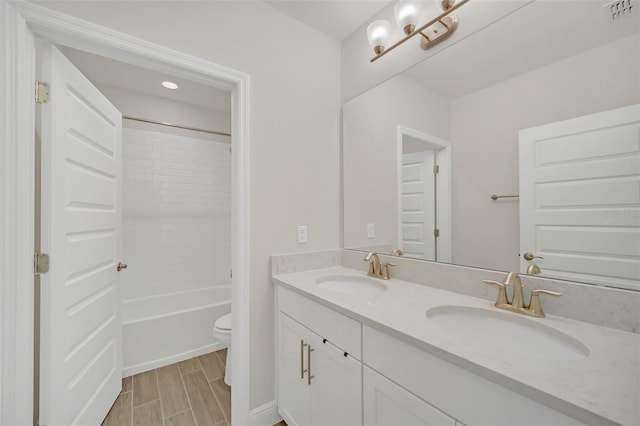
<point x="354" y="350"/>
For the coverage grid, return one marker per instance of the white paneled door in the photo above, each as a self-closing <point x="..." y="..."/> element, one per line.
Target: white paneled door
<point x="580" y="198"/>
<point x="418" y="205"/>
<point x="80" y="343"/>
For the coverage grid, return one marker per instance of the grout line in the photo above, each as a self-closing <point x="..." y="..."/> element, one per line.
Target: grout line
<point x="217" y="399"/>
<point x="200" y="364"/>
<point x="184" y="387"/>
<point x="132" y="396"/>
<point x="179" y="412"/>
<point x="155" y="371"/>
<point x="148" y="403"/>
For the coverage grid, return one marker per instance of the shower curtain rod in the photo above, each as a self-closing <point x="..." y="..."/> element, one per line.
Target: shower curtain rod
<point x="177" y="126"/>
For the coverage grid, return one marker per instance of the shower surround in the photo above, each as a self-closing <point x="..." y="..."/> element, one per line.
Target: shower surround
<point x="177" y="241"/>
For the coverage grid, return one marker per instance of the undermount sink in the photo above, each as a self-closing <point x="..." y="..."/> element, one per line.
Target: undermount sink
<point x="351" y="284"/>
<point x="506" y="333"/>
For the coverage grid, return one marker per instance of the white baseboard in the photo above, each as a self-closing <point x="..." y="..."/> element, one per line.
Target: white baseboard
<point x="157" y="363"/>
<point x="265" y="415"/>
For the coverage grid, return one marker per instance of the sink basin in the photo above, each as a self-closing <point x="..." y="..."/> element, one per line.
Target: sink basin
<point x="506" y="333"/>
<point x="351" y="284"/>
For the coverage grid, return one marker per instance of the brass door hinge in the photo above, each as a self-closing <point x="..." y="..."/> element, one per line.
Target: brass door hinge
<point x="40" y="263"/>
<point x="42" y="93"/>
<point x="436" y="169"/>
<point x="436" y="232"/>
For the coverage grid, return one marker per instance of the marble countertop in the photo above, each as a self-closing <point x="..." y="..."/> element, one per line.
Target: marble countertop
<point x="603" y="388"/>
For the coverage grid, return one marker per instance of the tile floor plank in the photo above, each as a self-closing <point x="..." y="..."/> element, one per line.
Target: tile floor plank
<point x="126" y="384"/>
<point x="189" y="365"/>
<point x="222" y="354"/>
<point x="222" y="391"/>
<point x="212" y="366"/>
<point x="148" y="414"/>
<point x="120" y="413"/>
<point x="181" y="419"/>
<point x="172" y="394"/>
<point x="145" y="388"/>
<point x="204" y="405"/>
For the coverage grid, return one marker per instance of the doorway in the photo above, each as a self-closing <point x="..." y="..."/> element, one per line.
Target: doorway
<point x="30" y="21"/>
<point x="424" y="196"/>
<point x="152" y="195"/>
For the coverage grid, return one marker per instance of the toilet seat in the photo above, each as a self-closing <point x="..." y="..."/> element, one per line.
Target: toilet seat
<point x="223" y="324"/>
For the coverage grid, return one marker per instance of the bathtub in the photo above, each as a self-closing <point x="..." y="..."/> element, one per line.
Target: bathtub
<point x="161" y="330"/>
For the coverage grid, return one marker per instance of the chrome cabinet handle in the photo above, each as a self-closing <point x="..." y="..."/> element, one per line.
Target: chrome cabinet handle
<point x="302" y="370"/>
<point x="121" y="266"/>
<point x="309" y="375"/>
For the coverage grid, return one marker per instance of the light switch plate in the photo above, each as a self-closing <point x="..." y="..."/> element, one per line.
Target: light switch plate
<point x="302" y="234"/>
<point x="371" y="230"/>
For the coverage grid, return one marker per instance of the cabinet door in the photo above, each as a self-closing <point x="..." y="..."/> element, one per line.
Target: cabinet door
<point x="293" y="389"/>
<point x="336" y="386"/>
<point x="386" y="403"/>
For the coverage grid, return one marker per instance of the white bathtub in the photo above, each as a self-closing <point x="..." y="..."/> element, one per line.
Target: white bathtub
<point x="161" y="330"/>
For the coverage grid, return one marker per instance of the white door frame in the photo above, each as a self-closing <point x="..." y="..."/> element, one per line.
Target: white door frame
<point x="443" y="211"/>
<point x="20" y="23"/>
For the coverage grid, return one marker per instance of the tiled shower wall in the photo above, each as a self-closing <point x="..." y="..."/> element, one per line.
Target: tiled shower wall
<point x="177" y="213"/>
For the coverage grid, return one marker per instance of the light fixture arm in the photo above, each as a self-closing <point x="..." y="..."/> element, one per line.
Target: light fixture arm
<point x="420" y="30"/>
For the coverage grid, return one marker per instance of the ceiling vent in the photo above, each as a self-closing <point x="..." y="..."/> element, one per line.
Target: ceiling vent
<point x="619" y="8"/>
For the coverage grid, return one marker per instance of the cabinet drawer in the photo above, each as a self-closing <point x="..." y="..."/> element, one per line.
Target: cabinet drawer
<point x="338" y="329"/>
<point x="454" y="390"/>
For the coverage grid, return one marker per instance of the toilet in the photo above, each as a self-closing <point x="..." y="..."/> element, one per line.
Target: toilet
<point x="222" y="332"/>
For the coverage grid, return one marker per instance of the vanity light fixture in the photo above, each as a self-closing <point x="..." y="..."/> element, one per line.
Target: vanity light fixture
<point x="169" y="85"/>
<point x="407" y="13"/>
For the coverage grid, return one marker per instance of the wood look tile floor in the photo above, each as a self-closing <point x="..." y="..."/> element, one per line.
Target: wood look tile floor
<point x="188" y="393"/>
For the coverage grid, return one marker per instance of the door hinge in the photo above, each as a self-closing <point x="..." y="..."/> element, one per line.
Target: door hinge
<point x="436" y="169"/>
<point x="40" y="263"/>
<point x="436" y="232"/>
<point x="42" y="93"/>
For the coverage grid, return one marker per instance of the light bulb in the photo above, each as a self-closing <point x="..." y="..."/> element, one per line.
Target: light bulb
<point x="378" y="35"/>
<point x="406" y="13"/>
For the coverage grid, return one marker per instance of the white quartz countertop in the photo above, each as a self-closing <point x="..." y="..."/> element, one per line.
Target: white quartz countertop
<point x="603" y="388"/>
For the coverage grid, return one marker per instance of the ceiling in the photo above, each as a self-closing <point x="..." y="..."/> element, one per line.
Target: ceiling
<point x="334" y="18"/>
<point x="109" y="72"/>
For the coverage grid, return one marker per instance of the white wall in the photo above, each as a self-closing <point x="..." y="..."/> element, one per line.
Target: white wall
<point x="484" y="136"/>
<point x="176" y="213"/>
<point x="370" y="139"/>
<point x="294" y="128"/>
<point x="140" y="105"/>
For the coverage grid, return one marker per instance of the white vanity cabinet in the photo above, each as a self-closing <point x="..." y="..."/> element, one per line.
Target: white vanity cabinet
<point x="333" y="370"/>
<point x="319" y="383"/>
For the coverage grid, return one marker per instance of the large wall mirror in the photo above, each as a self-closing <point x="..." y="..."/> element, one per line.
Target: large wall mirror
<point x="424" y="151"/>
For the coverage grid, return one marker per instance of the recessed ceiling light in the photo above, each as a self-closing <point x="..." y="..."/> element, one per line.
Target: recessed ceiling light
<point x="169" y="85"/>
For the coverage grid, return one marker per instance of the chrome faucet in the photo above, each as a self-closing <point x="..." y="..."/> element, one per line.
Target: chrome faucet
<point x="534" y="308"/>
<point x="377" y="269"/>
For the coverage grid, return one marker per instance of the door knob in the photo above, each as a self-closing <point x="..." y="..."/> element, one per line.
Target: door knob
<point x="121" y="266"/>
<point x="530" y="256"/>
